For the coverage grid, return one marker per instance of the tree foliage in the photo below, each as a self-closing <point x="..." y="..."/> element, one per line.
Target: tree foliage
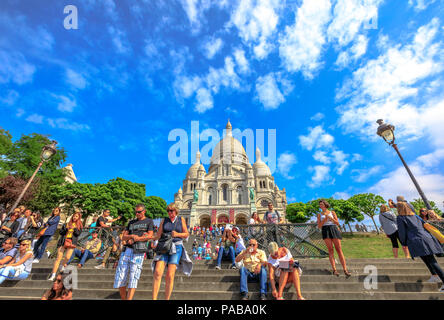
<point x="346" y="210"/>
<point x="297" y="212"/>
<point x="368" y="204"/>
<point x="418" y="204"/>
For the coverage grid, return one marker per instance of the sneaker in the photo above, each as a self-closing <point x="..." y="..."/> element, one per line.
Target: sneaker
<point x="434" y="279"/>
<point x="48" y="253"/>
<point x="217" y="267"/>
<point x="62" y="269"/>
<point x="244" y="295"/>
<point x="100" y="266"/>
<point x="263" y="296"/>
<point x="441" y="289"/>
<point x="52" y="277"/>
<point x="36" y="261"/>
<point x="233" y="267"/>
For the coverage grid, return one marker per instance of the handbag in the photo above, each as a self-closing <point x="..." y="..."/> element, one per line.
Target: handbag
<point x="68" y="244"/>
<point x="434" y="232"/>
<point x="164" y="245"/>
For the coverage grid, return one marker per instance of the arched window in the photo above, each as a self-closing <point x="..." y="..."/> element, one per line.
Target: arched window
<point x="209" y="199"/>
<point x="225" y="192"/>
<point x="210" y="195"/>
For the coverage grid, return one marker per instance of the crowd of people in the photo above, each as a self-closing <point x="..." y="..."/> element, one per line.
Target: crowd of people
<point x="24" y="238"/>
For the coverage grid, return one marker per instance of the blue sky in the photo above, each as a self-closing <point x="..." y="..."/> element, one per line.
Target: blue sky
<point x="318" y="72"/>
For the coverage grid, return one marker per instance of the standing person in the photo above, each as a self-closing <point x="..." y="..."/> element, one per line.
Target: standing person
<point x="402" y="199"/>
<point x="272" y="217"/>
<point x="420" y="242"/>
<point x="69" y="234"/>
<point x="20" y="267"/>
<point x="255" y="262"/>
<point x="328" y="222"/>
<point x="50" y="228"/>
<point x="392" y="207"/>
<point x="387" y="219"/>
<point x="174" y="227"/>
<point x="60" y="290"/>
<point x="136" y="235"/>
<point x="283" y="276"/>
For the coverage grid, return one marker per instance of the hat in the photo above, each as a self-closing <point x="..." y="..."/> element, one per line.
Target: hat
<point x="400" y="198"/>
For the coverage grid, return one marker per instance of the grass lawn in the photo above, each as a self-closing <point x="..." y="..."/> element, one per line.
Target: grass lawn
<point x="367" y="245"/>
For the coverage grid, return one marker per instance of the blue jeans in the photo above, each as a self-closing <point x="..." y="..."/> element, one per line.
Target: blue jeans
<point x="83" y="257"/>
<point x="40" y="246"/>
<point x="247" y="276"/>
<point x="224" y="253"/>
<point x="8" y="273"/>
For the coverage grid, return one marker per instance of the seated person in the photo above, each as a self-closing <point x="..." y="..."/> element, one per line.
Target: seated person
<point x="10" y="226"/>
<point x="91" y="248"/>
<point x="115" y="249"/>
<point x="8" y="251"/>
<point x="240" y="245"/>
<point x="226" y="250"/>
<point x="19" y="268"/>
<point x="285" y="276"/>
<point x="255" y="262"/>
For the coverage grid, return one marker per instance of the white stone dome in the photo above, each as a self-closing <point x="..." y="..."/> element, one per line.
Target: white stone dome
<point x="229" y="150"/>
<point x="260" y="168"/>
<point x="192" y="171"/>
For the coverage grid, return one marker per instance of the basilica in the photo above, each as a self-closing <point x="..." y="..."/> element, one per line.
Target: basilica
<point x="231" y="190"/>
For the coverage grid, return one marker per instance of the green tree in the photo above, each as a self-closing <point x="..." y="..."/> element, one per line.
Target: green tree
<point x="297" y="212"/>
<point x="347" y="211"/>
<point x="368" y="204"/>
<point x="418" y="204"/>
<point x="20" y="160"/>
<point x="5" y="146"/>
<point x="155" y="207"/>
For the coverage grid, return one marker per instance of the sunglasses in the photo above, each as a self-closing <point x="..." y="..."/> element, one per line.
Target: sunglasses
<point x="23" y="244"/>
<point x="58" y="280"/>
<point x="140" y="211"/>
<point x="170" y="210"/>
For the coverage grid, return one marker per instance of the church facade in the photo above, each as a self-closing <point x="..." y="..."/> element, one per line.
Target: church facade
<point x="231" y="190"/>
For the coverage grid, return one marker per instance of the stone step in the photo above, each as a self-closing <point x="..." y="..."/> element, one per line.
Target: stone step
<point x="421" y="270"/>
<point x="235" y="278"/>
<point x="223" y="295"/>
<point x="235" y="286"/>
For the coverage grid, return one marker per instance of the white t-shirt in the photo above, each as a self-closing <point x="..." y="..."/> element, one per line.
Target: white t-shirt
<point x="275" y="262"/>
<point x="251" y="221"/>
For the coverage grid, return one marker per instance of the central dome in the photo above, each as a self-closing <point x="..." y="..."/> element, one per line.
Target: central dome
<point x="229" y="150"/>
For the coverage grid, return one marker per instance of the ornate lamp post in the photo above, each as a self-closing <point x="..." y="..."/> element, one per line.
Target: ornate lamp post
<point x="385" y="131"/>
<point x="47" y="152"/>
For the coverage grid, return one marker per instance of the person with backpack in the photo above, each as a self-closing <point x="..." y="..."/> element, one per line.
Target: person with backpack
<point x="387" y="219"/>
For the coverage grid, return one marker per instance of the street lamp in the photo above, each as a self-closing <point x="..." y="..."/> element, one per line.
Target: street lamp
<point x="385" y="131"/>
<point x="47" y="152"/>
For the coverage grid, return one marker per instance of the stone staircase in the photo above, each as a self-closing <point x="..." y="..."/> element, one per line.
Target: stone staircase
<point x="398" y="279"/>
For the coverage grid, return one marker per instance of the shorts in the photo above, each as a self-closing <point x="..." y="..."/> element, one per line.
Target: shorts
<point x="172" y="258"/>
<point x="331" y="232"/>
<point x="129" y="269"/>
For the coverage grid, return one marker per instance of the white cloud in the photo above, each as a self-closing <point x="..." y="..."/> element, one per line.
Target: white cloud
<point x="257" y="22"/>
<point x="356" y="157"/>
<point x="339" y="157"/>
<point x="322" y="157"/>
<point x="15" y="68"/>
<point x="185" y="86"/>
<point x="65" y="104"/>
<point x="341" y="195"/>
<point x="349" y="17"/>
<point x="66" y="124"/>
<point x="212" y="47"/>
<point x="118" y="38"/>
<point x="318" y="116"/>
<point x="20" y="113"/>
<point x="379" y="88"/>
<point x="285" y="162"/>
<point x="10" y="97"/>
<point x="317" y="137"/>
<point x="301" y="44"/>
<point x="354" y="53"/>
<point x="35" y="118"/>
<point x="204" y="100"/>
<point x="362" y="175"/>
<point x="321" y="176"/>
<point x="420" y="5"/>
<point x="226" y="76"/>
<point x="241" y="61"/>
<point x="75" y="79"/>
<point x="268" y="92"/>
